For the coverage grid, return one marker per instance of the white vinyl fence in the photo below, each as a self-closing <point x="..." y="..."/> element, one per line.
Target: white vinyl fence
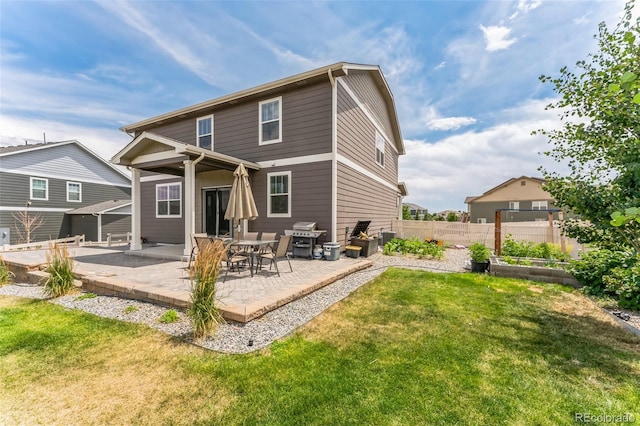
<point x="457" y="233"/>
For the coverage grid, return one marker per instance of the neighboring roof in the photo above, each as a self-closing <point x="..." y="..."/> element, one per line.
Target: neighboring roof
<point x="330" y="71"/>
<point x="100" y="208"/>
<point x="470" y="199"/>
<point x="20" y="149"/>
<point x="414" y="206"/>
<point x="129" y="152"/>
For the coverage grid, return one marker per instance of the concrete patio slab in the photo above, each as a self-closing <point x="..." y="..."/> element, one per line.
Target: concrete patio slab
<point x="165" y="281"/>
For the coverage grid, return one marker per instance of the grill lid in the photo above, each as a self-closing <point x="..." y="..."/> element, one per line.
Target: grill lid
<point x="304" y="226"/>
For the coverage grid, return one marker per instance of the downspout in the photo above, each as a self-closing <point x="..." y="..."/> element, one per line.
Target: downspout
<point x="334" y="156"/>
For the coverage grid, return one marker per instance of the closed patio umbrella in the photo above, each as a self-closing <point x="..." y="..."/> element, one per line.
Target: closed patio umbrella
<point x="241" y="204"/>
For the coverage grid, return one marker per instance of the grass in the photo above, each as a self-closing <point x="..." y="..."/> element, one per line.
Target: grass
<point x="410" y="347"/>
<point x="169" y="317"/>
<point x="6" y="276"/>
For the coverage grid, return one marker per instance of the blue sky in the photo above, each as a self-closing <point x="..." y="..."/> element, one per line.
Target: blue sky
<point x="464" y="74"/>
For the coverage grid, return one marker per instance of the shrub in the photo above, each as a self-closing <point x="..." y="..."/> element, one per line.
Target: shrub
<point x="414" y="246"/>
<point x="130" y="309"/>
<point x="624" y="282"/>
<point x="479" y="252"/>
<point x="86" y="296"/>
<point x="169" y="317"/>
<point x="593" y="265"/>
<point x="5" y="274"/>
<point x="202" y="312"/>
<point x="60" y="269"/>
<point x="514" y="248"/>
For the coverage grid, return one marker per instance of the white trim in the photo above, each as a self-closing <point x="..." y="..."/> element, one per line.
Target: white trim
<point x="481" y="220"/>
<point x="156" y="156"/>
<point x="344" y="160"/>
<point x="60" y="177"/>
<point x="158" y="177"/>
<point x="540" y="204"/>
<point x="99" y="216"/>
<point x="306" y="159"/>
<point x="168" y="215"/>
<point x="514" y="205"/>
<point x="366" y="112"/>
<point x="261" y="122"/>
<point x="46" y="189"/>
<point x="34" y="209"/>
<point x="334" y="158"/>
<point x="198" y="135"/>
<point x="136" y="236"/>
<point x="79" y="192"/>
<point x="269" y="175"/>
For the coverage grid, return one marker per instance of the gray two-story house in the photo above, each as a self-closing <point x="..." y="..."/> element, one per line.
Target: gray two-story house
<point x="57" y="183"/>
<point x="321" y="146"/>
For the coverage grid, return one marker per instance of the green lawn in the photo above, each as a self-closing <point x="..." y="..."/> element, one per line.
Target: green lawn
<point x="410" y="347"/>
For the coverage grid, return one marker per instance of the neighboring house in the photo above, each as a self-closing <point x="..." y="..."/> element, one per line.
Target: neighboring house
<point x="98" y="220"/>
<point x="519" y="200"/>
<point x="321" y="146"/>
<point x="416" y="211"/>
<point x="51" y="179"/>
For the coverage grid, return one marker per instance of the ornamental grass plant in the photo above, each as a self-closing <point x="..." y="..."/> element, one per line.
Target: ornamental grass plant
<point x="5" y="274"/>
<point x="60" y="269"/>
<point x="203" y="314"/>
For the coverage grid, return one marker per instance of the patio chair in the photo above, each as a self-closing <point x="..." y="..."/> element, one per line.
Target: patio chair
<point x="231" y="258"/>
<point x="194" y="246"/>
<point x="248" y="236"/>
<point x="281" y="251"/>
<point x="267" y="236"/>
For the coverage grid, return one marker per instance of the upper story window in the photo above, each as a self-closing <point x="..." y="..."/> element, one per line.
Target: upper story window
<point x="539" y="205"/>
<point x="270" y="121"/>
<point x="379" y="149"/>
<point x="514" y="205"/>
<point x="205" y="132"/>
<point x="39" y="189"/>
<point x="279" y="194"/>
<point x="169" y="200"/>
<point x="74" y="192"/>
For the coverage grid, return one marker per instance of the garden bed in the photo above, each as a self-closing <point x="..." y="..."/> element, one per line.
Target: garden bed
<point x="533" y="270"/>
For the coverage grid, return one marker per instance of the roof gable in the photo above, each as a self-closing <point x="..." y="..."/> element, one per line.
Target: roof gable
<point x="68" y="160"/>
<point x="514" y="190"/>
<point x="329" y="72"/>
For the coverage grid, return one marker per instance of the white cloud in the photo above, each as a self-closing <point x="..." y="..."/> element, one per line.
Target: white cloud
<point x="497" y="37"/>
<point x="450" y="123"/>
<point x="440" y="175"/>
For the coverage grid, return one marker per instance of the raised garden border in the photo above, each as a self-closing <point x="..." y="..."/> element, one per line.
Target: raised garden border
<point x="537" y="271"/>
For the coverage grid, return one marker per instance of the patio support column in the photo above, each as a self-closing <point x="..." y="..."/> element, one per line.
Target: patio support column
<point x="189" y="204"/>
<point x="136" y="237"/>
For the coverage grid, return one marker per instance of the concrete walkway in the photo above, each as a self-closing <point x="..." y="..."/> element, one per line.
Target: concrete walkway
<point x="165" y="281"/>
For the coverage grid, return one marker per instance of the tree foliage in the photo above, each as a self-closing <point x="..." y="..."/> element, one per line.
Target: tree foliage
<point x="600" y="138"/>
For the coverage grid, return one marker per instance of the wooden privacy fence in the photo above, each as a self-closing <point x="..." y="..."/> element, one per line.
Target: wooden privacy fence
<point x="452" y="233"/>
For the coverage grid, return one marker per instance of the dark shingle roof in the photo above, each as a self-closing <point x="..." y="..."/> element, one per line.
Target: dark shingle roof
<point x="100" y="207"/>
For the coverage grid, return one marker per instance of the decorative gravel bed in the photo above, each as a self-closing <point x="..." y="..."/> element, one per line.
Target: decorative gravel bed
<point x="243" y="338"/>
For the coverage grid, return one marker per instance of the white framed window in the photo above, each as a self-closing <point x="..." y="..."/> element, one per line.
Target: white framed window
<point x="379" y="149"/>
<point x="539" y="205"/>
<point x="270" y="112"/>
<point x="204" y="130"/>
<point x="74" y="192"/>
<point x="481" y="220"/>
<point x="169" y="199"/>
<point x="514" y="205"/>
<point x="279" y="194"/>
<point x="39" y="188"/>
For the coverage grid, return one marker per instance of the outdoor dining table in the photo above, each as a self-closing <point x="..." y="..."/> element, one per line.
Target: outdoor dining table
<point x="252" y="247"/>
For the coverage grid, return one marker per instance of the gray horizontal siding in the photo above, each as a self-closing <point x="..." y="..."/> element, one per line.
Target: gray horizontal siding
<point x="306" y="121"/>
<point x="115" y="224"/>
<point x="488" y="211"/>
<point x="360" y="198"/>
<point x="54" y="225"/>
<point x="15" y="192"/>
<point x="66" y="162"/>
<point x="364" y="87"/>
<point x="160" y="230"/>
<point x="356" y="139"/>
<point x="310" y="197"/>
